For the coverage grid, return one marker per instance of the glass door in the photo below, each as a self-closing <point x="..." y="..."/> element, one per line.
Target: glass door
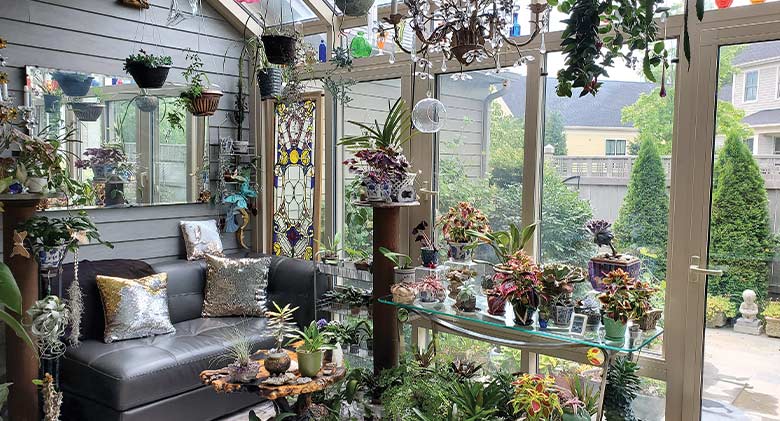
<point x="732" y="339"/>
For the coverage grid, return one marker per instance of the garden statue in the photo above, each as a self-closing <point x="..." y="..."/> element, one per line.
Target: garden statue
<point x="748" y="323"/>
<point x="604" y="263"/>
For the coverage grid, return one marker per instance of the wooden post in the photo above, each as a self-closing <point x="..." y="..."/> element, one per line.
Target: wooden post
<point x="386" y="345"/>
<point x="20" y="361"/>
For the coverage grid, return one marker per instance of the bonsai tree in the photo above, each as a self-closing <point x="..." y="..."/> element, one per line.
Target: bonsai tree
<point x="622" y="388"/>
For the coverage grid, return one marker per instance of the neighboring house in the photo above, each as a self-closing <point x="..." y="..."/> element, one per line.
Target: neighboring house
<point x="755" y="88"/>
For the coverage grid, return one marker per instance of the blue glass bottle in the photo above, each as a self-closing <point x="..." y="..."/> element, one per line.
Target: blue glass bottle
<point x="515" y="26"/>
<point x="323" y="52"/>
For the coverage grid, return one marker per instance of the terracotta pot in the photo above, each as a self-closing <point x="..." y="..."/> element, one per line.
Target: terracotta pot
<point x="277" y="362"/>
<point x="205" y="104"/>
<point x="722" y="4"/>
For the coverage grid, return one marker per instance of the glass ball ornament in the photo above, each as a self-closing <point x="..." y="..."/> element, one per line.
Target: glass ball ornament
<point x="429" y="115"/>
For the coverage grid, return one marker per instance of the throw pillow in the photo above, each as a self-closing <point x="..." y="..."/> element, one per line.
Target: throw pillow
<point x="235" y="287"/>
<point x="201" y="238"/>
<point x="135" y="308"/>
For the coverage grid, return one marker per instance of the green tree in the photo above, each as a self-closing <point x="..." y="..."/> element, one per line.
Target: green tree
<point x="554" y="133"/>
<point x="564" y="214"/>
<point x="741" y="240"/>
<point x="642" y="222"/>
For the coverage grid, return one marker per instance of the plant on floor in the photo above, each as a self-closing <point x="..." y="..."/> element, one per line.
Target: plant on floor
<point x="506" y="243"/>
<point x="578" y="397"/>
<point x="537" y="397"/>
<point x="465" y="369"/>
<point x="623" y="386"/>
<point x="719" y="308"/>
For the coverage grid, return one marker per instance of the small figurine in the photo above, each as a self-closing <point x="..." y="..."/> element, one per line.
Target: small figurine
<point x="748" y="323"/>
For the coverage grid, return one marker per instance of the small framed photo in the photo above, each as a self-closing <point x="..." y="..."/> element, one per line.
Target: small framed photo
<point x="578" y="324"/>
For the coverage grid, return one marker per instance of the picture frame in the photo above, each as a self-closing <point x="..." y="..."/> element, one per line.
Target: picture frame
<point x="578" y="324"/>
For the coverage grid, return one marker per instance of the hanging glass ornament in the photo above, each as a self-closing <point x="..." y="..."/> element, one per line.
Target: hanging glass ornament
<point x="360" y="46"/>
<point x="429" y="115"/>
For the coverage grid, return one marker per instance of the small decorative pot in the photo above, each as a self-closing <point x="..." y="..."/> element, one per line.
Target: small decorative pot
<point x="543" y="322"/>
<point x="51" y="258"/>
<point x="36" y="184"/>
<point x="354" y="349"/>
<point x="73" y="84"/>
<point x="148" y="77"/>
<point x="615" y="330"/>
<point x="772" y="327"/>
<point x="270" y="82"/>
<point x="650" y="319"/>
<point x="594" y="317"/>
<point x="376" y="191"/>
<point x="429" y="257"/>
<point x="603" y="264"/>
<point x="147" y="103"/>
<point x="496" y="304"/>
<point x="243" y="373"/>
<point x="403" y="275"/>
<point x="309" y="363"/>
<point x="279" y="49"/>
<point x="458" y="251"/>
<point x="102" y="172"/>
<point x="718" y="321"/>
<point x="354" y="8"/>
<point x="524" y="314"/>
<point x="277" y="362"/>
<point x="402" y="190"/>
<point x="468" y="305"/>
<point x="51" y="103"/>
<point x="87" y="111"/>
<point x="402" y="293"/>
<point x="205" y="104"/>
<point x="561" y="315"/>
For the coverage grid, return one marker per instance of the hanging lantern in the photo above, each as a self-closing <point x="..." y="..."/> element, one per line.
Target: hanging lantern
<point x="429" y="115"/>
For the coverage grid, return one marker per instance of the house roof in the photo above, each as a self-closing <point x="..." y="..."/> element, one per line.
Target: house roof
<point x="603" y="110"/>
<point x="757" y="51"/>
<point x="763" y="117"/>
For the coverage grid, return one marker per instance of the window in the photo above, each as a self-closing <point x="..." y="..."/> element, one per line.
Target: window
<point x="777" y="146"/>
<point x="750" y="143"/>
<point x="778" y="82"/>
<point x="751" y="86"/>
<point x="616" y="147"/>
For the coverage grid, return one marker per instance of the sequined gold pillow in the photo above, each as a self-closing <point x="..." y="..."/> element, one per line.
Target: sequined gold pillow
<point x="235" y="287"/>
<point x="135" y="308"/>
<point x="201" y="238"/>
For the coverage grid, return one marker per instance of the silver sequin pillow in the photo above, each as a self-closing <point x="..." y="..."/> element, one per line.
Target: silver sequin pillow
<point x="135" y="308"/>
<point x="201" y="238"/>
<point x="235" y="287"/>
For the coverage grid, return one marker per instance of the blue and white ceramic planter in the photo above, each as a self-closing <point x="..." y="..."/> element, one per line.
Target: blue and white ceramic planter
<point x="458" y="251"/>
<point x="429" y="257"/>
<point x="103" y="171"/>
<point x="52" y="258"/>
<point x="377" y="191"/>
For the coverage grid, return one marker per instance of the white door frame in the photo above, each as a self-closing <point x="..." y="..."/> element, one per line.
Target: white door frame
<point x="692" y="205"/>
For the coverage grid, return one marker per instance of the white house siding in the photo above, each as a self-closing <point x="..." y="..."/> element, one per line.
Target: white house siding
<point x="767" y="87"/>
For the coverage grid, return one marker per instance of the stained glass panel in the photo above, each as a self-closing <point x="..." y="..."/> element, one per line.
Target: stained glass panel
<point x="294" y="215"/>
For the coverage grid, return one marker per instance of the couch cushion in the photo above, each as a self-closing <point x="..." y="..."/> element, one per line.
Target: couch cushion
<point x="131" y="373"/>
<point x="186" y="282"/>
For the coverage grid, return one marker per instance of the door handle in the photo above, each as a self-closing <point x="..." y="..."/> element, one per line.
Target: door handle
<point x="695" y="268"/>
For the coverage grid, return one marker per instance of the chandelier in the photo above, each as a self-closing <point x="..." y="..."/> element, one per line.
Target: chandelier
<point x="465" y="30"/>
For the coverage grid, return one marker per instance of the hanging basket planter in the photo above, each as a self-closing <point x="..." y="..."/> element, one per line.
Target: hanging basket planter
<point x="147" y="103"/>
<point x="279" y="49"/>
<point x="148" y="77"/>
<point x="73" y="84"/>
<point x="269" y="81"/>
<point x="51" y="103"/>
<point x="87" y="111"/>
<point x="355" y="8"/>
<point x="205" y="104"/>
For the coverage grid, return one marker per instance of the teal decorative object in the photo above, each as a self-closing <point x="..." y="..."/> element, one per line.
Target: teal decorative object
<point x="360" y="46"/>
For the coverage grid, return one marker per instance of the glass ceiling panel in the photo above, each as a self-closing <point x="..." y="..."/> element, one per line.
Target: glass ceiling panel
<point x="379" y="3"/>
<point x="271" y="11"/>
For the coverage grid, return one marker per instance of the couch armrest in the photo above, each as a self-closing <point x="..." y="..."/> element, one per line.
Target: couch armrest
<point x="292" y="281"/>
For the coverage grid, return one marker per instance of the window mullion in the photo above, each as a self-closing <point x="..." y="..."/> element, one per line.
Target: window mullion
<point x="532" y="167"/>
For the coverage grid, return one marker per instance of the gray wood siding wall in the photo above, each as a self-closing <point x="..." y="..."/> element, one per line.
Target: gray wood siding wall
<point x="96" y="36"/>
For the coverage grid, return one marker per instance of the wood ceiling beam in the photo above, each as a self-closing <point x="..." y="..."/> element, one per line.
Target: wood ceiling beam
<point x="236" y="16"/>
<point x="321" y="9"/>
<point x="318" y="27"/>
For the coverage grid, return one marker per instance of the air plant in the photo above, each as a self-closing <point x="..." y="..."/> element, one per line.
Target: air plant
<point x="602" y="234"/>
<point x="49" y="319"/>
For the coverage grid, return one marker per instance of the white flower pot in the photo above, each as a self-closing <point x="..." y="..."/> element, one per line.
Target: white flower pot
<point x="36" y="184"/>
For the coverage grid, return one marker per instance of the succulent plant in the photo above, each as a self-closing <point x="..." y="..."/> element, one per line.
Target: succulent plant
<point x="602" y="234"/>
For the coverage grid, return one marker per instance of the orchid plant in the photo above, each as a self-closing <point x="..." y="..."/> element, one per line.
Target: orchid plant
<point x="421" y="236"/>
<point x="462" y="221"/>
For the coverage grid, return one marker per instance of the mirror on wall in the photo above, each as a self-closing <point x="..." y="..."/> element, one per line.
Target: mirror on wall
<point x="134" y="147"/>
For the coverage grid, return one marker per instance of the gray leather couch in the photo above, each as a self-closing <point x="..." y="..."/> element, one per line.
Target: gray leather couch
<point x="156" y="378"/>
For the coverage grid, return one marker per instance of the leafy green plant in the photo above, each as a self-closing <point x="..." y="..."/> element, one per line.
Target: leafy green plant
<point x="313" y="339"/>
<point x="45" y="233"/>
<point x="389" y="136"/>
<point x="400" y="260"/>
<point x="536" y="397"/>
<point x="506" y="243"/>
<point x="559" y="280"/>
<point x="623" y="386"/>
<point x="149" y="60"/>
<point x="717" y="304"/>
<point x="772" y="310"/>
<point x="330" y="249"/>
<point x="281" y="324"/>
<point x="11" y="299"/>
<point x="623" y="297"/>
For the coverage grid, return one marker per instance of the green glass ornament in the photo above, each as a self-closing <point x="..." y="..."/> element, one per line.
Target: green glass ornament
<point x="360" y="46"/>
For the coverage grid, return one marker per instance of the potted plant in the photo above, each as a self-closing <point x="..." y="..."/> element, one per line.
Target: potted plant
<point x="147" y="103"/>
<point x="337" y="333"/>
<point x="604" y="263"/>
<point x="87" y="111"/>
<point x="458" y="226"/>
<point x="429" y="253"/>
<point x="329" y="251"/>
<point x="579" y="399"/>
<point x="198" y="98"/>
<point x="623" y="299"/>
<point x="103" y="161"/>
<point x="590" y="307"/>
<point x="430" y="290"/>
<point x="280" y="46"/>
<point x="505" y="243"/>
<point x="148" y="70"/>
<point x="52" y="96"/>
<point x="281" y="326"/>
<point x="456" y="278"/>
<point x="496" y="303"/>
<point x="719" y="310"/>
<point x="558" y="282"/>
<point x="310" y="350"/>
<point x="403" y="293"/>
<point x="404" y="272"/>
<point x="519" y="284"/>
<point x="772" y="318"/>
<point x="536" y="397"/>
<point x="242" y="369"/>
<point x="466" y="300"/>
<point x="48" y="239"/>
<point x="378" y="154"/>
<point x="73" y="84"/>
<point x="623" y="386"/>
<point x="354" y="8"/>
<point x="356" y="299"/>
<point x="360" y="258"/>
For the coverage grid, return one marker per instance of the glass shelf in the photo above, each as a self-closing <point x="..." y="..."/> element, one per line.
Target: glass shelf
<point x="447" y="313"/>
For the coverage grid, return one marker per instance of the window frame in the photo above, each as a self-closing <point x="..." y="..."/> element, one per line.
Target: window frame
<point x="615" y="142"/>
<point x="757" y="72"/>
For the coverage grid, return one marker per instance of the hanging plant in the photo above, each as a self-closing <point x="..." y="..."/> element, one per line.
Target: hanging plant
<point x="600" y="31"/>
